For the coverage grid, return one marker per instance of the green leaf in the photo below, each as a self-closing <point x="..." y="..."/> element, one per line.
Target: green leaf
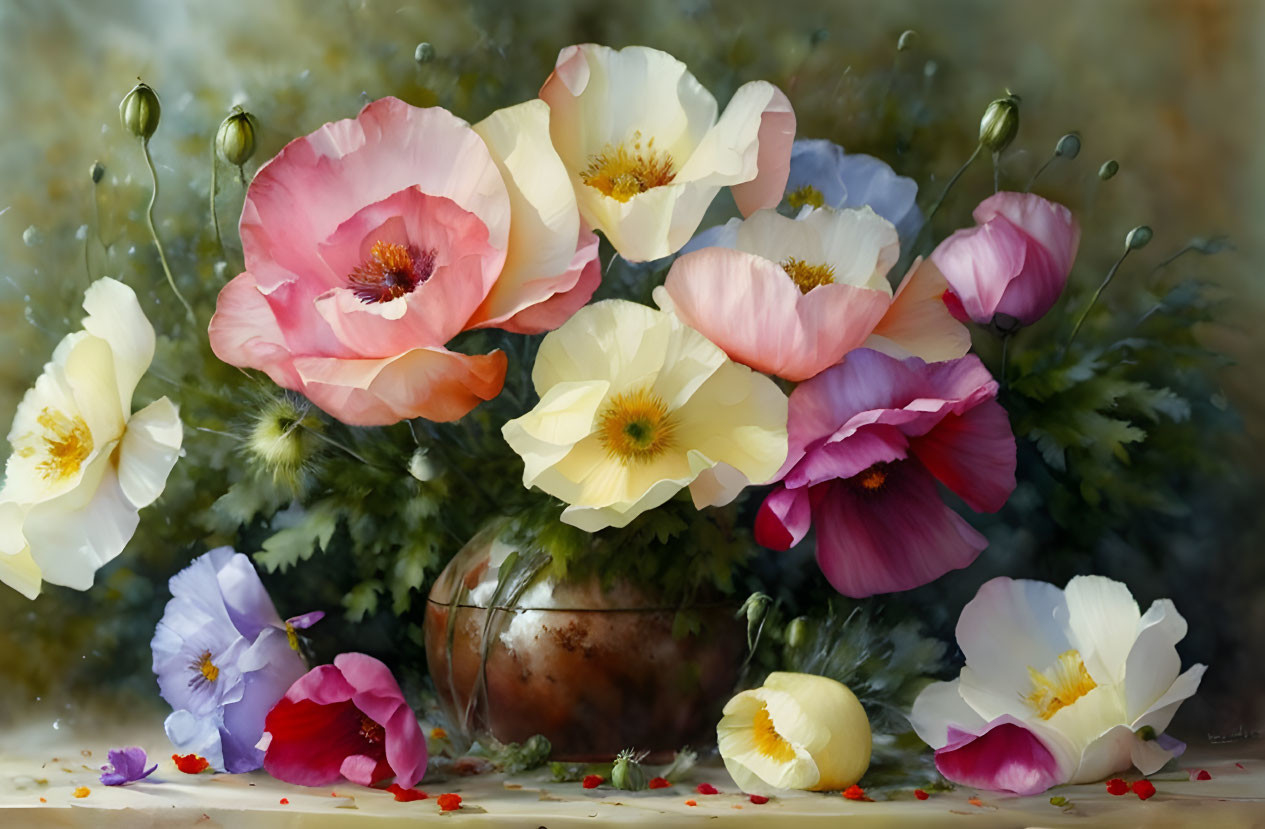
<point x="312" y="531"/>
<point x="362" y="600"/>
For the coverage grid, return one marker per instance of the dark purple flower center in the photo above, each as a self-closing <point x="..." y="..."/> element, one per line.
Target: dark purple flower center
<point x="371" y="731"/>
<point x="390" y="272"/>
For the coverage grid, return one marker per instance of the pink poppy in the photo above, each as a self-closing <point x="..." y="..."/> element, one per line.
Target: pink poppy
<point x="347" y="720"/>
<point x="372" y="242"/>
<point x="791" y="297"/>
<point x="1015" y="261"/>
<point x="869" y="439"/>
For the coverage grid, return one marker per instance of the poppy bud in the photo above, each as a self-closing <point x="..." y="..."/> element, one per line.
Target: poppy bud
<point x="139" y="111"/>
<point x="797" y="632"/>
<point x="235" y="140"/>
<point x="1108" y="169"/>
<point x="1069" y="146"/>
<point x="1138" y="238"/>
<point x="1000" y="123"/>
<point x="424" y="53"/>
<point x="627" y="773"/>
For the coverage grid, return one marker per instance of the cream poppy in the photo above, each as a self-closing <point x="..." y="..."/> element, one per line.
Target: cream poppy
<point x="646" y="151"/>
<point x="1060" y="686"/>
<point x="83" y="463"/>
<point x="798" y="731"/>
<point x="635" y="406"/>
<point x="791" y="297"/>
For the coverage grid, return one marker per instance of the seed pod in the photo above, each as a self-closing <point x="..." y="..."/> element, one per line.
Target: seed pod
<point x="1108" y="169"/>
<point x="424" y="53"/>
<point x="627" y="773"/>
<point x="1000" y="123"/>
<point x="139" y="111"/>
<point x="1069" y="146"/>
<point x="235" y="140"/>
<point x="797" y="632"/>
<point x="97" y="171"/>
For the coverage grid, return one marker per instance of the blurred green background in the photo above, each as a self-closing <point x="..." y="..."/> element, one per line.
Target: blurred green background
<point x="1169" y="89"/>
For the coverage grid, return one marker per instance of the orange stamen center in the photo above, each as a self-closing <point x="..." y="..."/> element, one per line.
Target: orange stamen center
<point x="1059" y="685"/>
<point x="621" y="173"/>
<point x="807" y="276"/>
<point x="390" y="272"/>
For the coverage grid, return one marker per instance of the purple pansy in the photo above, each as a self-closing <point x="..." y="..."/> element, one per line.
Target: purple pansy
<point x="855" y="180"/>
<point x="127" y="765"/>
<point x="223" y="658"/>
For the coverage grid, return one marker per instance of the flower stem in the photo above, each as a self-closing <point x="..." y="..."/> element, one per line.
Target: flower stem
<point x="215" y="219"/>
<point x="1038" y="173"/>
<point x="996" y="171"/>
<point x="153" y="231"/>
<point x="1005" y="359"/>
<point x="935" y="207"/>
<point x="1092" y="300"/>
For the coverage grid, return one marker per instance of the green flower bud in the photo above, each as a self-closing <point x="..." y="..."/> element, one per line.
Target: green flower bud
<point x="281" y="439"/>
<point x="139" y="111"/>
<point x="1108" y="169"/>
<point x="906" y="40"/>
<point x="1000" y="123"/>
<point x="797" y="632"/>
<point x="421" y="466"/>
<point x="424" y="53"/>
<point x="235" y="140"/>
<point x="627" y="773"/>
<point x="97" y="171"/>
<point x="1138" y="238"/>
<point x="1069" y="146"/>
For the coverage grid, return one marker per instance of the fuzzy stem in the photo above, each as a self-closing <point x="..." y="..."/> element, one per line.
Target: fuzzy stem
<point x="1092" y="300"/>
<point x="215" y="219"/>
<point x="153" y="231"/>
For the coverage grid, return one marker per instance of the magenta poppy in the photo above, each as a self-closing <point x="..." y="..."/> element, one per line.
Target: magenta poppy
<point x="869" y="440"/>
<point x="347" y="720"/>
<point x="1015" y="261"/>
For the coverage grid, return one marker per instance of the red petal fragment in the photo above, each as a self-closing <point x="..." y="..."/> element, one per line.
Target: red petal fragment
<point x="1143" y="788"/>
<point x="285" y="801"/>
<point x="190" y="763"/>
<point x="659" y="783"/>
<point x="406" y="795"/>
<point x="592" y="781"/>
<point x="854" y="792"/>
<point x="707" y="788"/>
<point x="1117" y="786"/>
<point x="449" y="802"/>
<point x="759" y="799"/>
<point x="975" y="801"/>
<point x="1203" y="775"/>
<point x="920" y="794"/>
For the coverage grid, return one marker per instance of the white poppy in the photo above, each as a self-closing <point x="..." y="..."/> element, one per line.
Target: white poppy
<point x="646" y="152"/>
<point x="82" y="463"/>
<point x="1060" y="686"/>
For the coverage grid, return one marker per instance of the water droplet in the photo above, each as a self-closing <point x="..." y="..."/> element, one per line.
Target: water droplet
<point x="81" y="233"/>
<point x="56" y="725"/>
<point x="32" y="236"/>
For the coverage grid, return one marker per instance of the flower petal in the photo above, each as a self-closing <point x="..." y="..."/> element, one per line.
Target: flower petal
<point x="1101" y="614"/>
<point x="898" y="539"/>
<point x="973" y="454"/>
<point x="1051" y="224"/>
<point x="1006" y="757"/>
<point x="17" y="568"/>
<point x="773" y="144"/>
<point x="115" y="315"/>
<point x="784" y="518"/>
<point x="940" y="707"/>
<point x="919" y="322"/>
<point x="149" y="450"/>
<point x="244" y="332"/>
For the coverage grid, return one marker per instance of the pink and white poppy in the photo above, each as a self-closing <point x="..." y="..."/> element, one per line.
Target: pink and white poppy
<point x="1060" y="686"/>
<point x="869" y="440"/>
<point x="646" y="152"/>
<point x="791" y="297"/>
<point x="372" y="242"/>
<point x="1015" y="261"/>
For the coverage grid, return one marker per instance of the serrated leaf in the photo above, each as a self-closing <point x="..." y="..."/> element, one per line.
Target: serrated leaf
<point x="298" y="541"/>
<point x="362" y="600"/>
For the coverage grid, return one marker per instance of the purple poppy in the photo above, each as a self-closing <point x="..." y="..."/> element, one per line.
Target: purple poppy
<point x="223" y="658"/>
<point x="823" y="175"/>
<point x="127" y="765"/>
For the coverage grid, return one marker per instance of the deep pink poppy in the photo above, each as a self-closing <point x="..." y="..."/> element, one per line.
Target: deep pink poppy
<point x="869" y="439"/>
<point x="1015" y="261"/>
<point x="347" y="720"/>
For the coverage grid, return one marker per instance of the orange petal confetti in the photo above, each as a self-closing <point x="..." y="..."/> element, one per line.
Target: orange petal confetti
<point x="449" y="802"/>
<point x="406" y="795"/>
<point x="438" y="734"/>
<point x="43" y="800"/>
<point x="855" y="792"/>
<point x="975" y="801"/>
<point x="920" y="794"/>
<point x="190" y="763"/>
<point x="659" y="783"/>
<point x="691" y="803"/>
<point x="285" y="801"/>
<point x="82" y="791"/>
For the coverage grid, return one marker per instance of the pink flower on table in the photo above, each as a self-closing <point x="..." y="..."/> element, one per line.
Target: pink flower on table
<point x="1015" y="261"/>
<point x="791" y="297"/>
<point x="869" y="439"/>
<point x="374" y="241"/>
<point x="347" y="720"/>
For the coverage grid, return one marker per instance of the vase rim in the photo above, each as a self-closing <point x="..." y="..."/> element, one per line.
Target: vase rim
<point x="642" y="609"/>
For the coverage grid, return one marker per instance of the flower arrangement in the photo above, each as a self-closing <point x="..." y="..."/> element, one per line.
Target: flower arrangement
<point x="431" y="326"/>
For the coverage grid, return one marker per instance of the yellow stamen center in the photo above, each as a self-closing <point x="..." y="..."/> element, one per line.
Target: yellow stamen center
<point x="292" y="636"/>
<point x="370" y="730"/>
<point x="806" y="196"/>
<point x="621" y="173"/>
<point x="1059" y="685"/>
<point x="767" y="741"/>
<point x="207" y="668"/>
<point x="67" y="443"/>
<point x="808" y="276"/>
<point x="636" y="426"/>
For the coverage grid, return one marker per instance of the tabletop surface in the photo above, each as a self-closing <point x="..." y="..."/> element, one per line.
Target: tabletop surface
<point x="52" y="780"/>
